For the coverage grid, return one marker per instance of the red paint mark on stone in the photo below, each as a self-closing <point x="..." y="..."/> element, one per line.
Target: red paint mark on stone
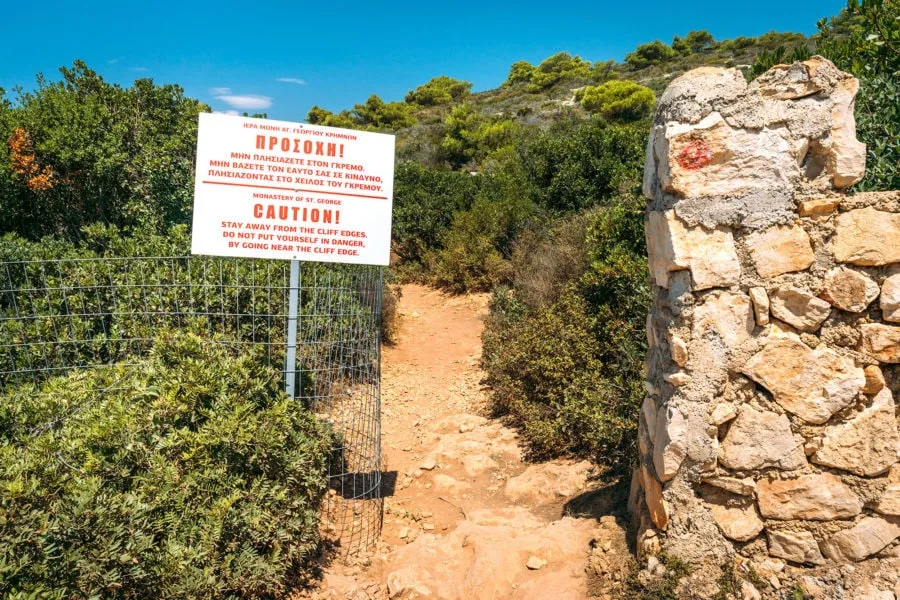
<point x="695" y="155"/>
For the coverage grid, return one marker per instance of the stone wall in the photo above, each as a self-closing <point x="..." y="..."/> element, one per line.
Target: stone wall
<point x="769" y="428"/>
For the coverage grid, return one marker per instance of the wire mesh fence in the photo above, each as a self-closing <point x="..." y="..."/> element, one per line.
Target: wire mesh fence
<point x="58" y="316"/>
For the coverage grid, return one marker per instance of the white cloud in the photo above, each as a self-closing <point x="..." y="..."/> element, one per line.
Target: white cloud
<point x="140" y="69"/>
<point x="247" y="101"/>
<point x="296" y="80"/>
<point x="222" y="91"/>
<point x="113" y="61"/>
<point x="231" y="112"/>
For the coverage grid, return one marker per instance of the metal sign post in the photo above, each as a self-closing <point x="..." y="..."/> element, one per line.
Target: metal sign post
<point x="290" y="361"/>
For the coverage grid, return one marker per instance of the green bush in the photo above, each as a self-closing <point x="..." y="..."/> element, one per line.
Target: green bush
<point x="476" y="250"/>
<point x="425" y="201"/>
<point x="568" y="371"/>
<point x="619" y="100"/>
<point x="471" y="137"/>
<point x="440" y="90"/>
<point x="652" y="53"/>
<point x="374" y="115"/>
<point x="82" y="150"/>
<point x="188" y="475"/>
<point x="580" y="163"/>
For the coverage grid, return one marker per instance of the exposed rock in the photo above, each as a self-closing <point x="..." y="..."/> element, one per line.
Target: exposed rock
<point x="748" y="592"/>
<point x="799" y="308"/>
<point x="867" y="537"/>
<point x="737" y="521"/>
<point x="656" y="505"/>
<point x="816" y="497"/>
<point x="535" y="564"/>
<point x="889" y="502"/>
<point x="761" y="439"/>
<point x="722" y="413"/>
<point x="847" y="155"/>
<point x="810" y="383"/>
<point x="446" y="483"/>
<point x="548" y="482"/>
<point x="760" y="305"/>
<point x="865" y="445"/>
<point x="679" y="350"/>
<point x="670" y="446"/>
<point x="711" y="158"/>
<point x="677" y="379"/>
<point x="863" y="237"/>
<point x="721" y="324"/>
<point x="709" y="254"/>
<point x="486" y="556"/>
<point x="881" y="342"/>
<point x="780" y="249"/>
<point x="795" y="546"/>
<point x="874" y="380"/>
<point x="648" y="411"/>
<point x="849" y="290"/>
<point x="741" y="487"/>
<point x="820" y="207"/>
<point x="890" y="299"/>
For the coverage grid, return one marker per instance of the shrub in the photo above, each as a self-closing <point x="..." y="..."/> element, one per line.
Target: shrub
<point x="619" y="100"/>
<point x="569" y="371"/>
<point x="579" y="163"/>
<point x="545" y="260"/>
<point x="440" y="90"/>
<point x="520" y="72"/>
<point x="471" y="137"/>
<point x="425" y="201"/>
<point x="188" y="475"/>
<point x="653" y="53"/>
<point x="82" y="150"/>
<point x="476" y="251"/>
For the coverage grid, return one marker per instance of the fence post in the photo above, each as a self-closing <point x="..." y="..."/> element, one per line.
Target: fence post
<point x="290" y="360"/>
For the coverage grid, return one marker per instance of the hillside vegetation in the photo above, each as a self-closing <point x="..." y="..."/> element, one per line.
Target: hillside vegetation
<point x="530" y="191"/>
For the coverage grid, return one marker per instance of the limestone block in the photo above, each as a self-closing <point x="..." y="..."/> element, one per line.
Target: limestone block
<point x="889" y="502"/>
<point x="670" y="446"/>
<point x="780" y="249"/>
<point x="874" y="380"/>
<point x="656" y="505"/>
<point x="881" y="342"/>
<point x="738" y="521"/>
<point x="648" y="411"/>
<point x="709" y="254"/>
<point x="849" y="290"/>
<point x="711" y="158"/>
<point x="867" y="537"/>
<point x="722" y="413"/>
<point x="816" y="497"/>
<point x="847" y="155"/>
<point x="820" y="207"/>
<point x="722" y="323"/>
<point x="810" y="383"/>
<point x="759" y="440"/>
<point x="795" y="546"/>
<point x="677" y="379"/>
<point x="890" y="299"/>
<point x="799" y="308"/>
<point x="741" y="487"/>
<point x="867" y="236"/>
<point x="760" y="305"/>
<point x="679" y="350"/>
<point x="865" y="445"/>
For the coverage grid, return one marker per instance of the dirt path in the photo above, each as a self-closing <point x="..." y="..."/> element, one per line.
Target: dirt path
<point x="465" y="516"/>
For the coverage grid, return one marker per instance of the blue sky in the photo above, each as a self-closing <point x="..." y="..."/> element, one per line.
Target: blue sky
<point x="283" y="57"/>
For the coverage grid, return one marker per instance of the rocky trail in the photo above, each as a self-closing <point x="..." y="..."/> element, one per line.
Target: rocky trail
<point x="465" y="515"/>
